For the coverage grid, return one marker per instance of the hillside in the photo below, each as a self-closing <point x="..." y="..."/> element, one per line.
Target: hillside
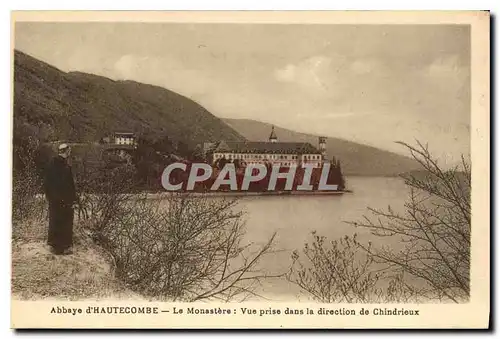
<point x="79" y="107"/>
<point x="356" y="159"/>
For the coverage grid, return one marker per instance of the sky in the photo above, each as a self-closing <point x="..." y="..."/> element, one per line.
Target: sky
<point x="373" y="84"/>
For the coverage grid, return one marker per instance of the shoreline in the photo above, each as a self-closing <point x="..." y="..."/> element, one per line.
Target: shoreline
<point x="250" y="194"/>
<point x="160" y="195"/>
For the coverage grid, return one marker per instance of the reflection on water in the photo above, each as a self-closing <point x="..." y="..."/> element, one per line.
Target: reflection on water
<point x="295" y="217"/>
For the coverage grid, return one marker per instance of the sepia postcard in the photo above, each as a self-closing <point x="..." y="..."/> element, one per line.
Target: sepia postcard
<point x="316" y="170"/>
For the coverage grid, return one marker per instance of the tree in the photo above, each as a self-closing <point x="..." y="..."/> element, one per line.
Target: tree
<point x="221" y="162"/>
<point x="197" y="155"/>
<point x="237" y="164"/>
<point x="434" y="263"/>
<point x="337" y="173"/>
<point x="435" y="229"/>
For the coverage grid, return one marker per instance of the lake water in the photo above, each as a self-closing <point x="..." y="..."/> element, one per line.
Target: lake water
<point x="295" y="217"/>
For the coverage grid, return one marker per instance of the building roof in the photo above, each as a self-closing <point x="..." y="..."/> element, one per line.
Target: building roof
<point x="267" y="147"/>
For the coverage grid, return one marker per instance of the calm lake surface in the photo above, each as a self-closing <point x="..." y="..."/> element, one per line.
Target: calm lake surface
<point x="295" y="217"/>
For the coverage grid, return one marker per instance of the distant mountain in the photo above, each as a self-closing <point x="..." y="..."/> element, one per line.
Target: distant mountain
<point x="356" y="159"/>
<point x="79" y="107"/>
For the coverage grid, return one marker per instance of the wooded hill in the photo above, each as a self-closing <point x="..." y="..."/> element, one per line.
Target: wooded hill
<point x="79" y="107"/>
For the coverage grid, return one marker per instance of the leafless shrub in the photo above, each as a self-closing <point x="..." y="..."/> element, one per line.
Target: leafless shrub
<point x="335" y="271"/>
<point x="435" y="229"/>
<point x="103" y="196"/>
<point x="26" y="183"/>
<point x="434" y="262"/>
<point x="175" y="247"/>
<point x="185" y="248"/>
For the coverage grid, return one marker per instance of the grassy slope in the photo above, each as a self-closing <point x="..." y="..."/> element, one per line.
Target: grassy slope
<point x="356" y="159"/>
<point x="83" y="107"/>
<point x="39" y="274"/>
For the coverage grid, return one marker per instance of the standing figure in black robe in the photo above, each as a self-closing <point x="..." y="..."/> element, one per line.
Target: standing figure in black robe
<point x="61" y="195"/>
